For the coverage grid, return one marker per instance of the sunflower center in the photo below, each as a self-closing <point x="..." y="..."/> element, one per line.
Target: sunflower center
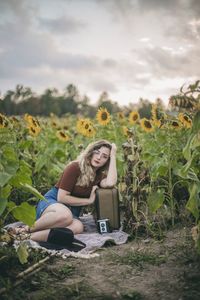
<point x="104" y="116"/>
<point x="175" y="124"/>
<point x="33" y="130"/>
<point x="86" y="126"/>
<point x="147" y="124"/>
<point x="62" y="134"/>
<point x="135" y="117"/>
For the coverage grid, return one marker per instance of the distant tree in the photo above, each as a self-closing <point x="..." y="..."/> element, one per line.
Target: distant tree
<point x="21" y="93"/>
<point x="144" y="108"/>
<point x="85" y="108"/>
<point x="69" y="100"/>
<point x="159" y="102"/>
<point x="104" y="101"/>
<point x="8" y="106"/>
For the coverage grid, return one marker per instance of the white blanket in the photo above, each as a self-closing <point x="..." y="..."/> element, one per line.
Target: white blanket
<point x="90" y="237"/>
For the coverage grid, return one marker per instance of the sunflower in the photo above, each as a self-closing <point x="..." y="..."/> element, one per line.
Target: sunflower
<point x="120" y="116"/>
<point x="26" y="117"/>
<point x="125" y="130"/>
<point x="62" y="136"/>
<point x="133" y="117"/>
<point x="157" y="123"/>
<point x="175" y="124"/>
<point x="3" y="121"/>
<point x="34" y="131"/>
<point x="54" y="124"/>
<point x="146" y="125"/>
<point x="31" y="121"/>
<point x="14" y="120"/>
<point x="82" y="125"/>
<point x="103" y="116"/>
<point x="158" y="116"/>
<point x="185" y="120"/>
<point x="79" y="125"/>
<point x="90" y="132"/>
<point x="88" y="128"/>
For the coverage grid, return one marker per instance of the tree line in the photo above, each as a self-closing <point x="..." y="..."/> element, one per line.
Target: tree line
<point x="23" y="100"/>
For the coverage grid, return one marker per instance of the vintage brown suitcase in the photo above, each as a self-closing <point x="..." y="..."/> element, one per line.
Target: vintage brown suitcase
<point x="107" y="206"/>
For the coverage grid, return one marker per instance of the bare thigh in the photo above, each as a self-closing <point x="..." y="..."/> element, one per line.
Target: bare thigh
<point x="60" y="213"/>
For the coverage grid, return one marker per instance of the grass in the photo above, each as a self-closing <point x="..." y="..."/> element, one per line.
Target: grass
<point x="139" y="259"/>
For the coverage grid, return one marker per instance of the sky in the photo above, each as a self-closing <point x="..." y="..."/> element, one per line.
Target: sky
<point x="129" y="48"/>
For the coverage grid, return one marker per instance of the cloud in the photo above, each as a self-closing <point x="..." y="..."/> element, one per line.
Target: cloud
<point x="62" y="25"/>
<point x="166" y="63"/>
<point x="100" y="84"/>
<point x="20" y="11"/>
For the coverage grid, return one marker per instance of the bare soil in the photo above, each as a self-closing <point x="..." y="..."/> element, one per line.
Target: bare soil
<point x="140" y="269"/>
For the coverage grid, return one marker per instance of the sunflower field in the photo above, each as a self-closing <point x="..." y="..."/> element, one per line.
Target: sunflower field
<point x="157" y="159"/>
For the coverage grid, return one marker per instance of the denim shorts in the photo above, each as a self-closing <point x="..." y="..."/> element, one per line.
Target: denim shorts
<point x="51" y="198"/>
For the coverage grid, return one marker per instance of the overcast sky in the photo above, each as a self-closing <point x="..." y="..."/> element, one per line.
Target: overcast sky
<point x="129" y="48"/>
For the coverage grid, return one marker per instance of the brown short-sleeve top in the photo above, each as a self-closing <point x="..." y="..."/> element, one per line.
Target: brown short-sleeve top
<point x="69" y="178"/>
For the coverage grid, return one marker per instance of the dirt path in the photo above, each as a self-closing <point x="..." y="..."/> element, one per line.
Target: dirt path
<point x="142" y="269"/>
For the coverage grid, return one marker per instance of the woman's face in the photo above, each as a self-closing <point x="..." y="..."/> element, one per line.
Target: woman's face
<point x="100" y="157"/>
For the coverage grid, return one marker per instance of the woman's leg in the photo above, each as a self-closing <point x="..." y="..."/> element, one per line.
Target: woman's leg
<point x="55" y="215"/>
<point x="76" y="226"/>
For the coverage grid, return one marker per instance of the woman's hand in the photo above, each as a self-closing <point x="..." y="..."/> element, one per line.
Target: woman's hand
<point x="93" y="194"/>
<point x="113" y="150"/>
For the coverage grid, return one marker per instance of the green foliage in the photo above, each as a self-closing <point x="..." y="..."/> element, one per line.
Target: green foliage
<point x="155" y="200"/>
<point x="152" y="165"/>
<point x="139" y="259"/>
<point x="22" y="253"/>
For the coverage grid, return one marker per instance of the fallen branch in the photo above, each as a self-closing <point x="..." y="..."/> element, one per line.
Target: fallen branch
<point x="28" y="272"/>
<point x="33" y="267"/>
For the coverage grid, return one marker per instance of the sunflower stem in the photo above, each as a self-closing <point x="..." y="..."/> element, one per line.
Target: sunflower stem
<point x="170" y="185"/>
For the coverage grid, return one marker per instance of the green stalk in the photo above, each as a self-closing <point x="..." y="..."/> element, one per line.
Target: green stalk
<point x="170" y="185"/>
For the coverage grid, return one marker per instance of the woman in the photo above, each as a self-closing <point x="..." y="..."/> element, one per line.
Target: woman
<point x="95" y="167"/>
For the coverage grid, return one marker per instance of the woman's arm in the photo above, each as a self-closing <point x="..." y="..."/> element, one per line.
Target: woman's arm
<point x="111" y="178"/>
<point x="65" y="198"/>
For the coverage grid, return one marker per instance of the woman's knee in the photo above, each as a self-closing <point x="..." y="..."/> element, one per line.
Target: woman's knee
<point x="76" y="226"/>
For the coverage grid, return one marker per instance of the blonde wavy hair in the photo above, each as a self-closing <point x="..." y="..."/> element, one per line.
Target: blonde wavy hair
<point x="84" y="159"/>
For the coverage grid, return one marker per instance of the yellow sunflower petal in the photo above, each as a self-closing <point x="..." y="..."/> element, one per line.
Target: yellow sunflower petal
<point x="3" y="121"/>
<point x="34" y="131"/>
<point x="146" y="125"/>
<point x="185" y="120"/>
<point x="103" y="116"/>
<point x="133" y="117"/>
<point x="121" y="116"/>
<point x="62" y="136"/>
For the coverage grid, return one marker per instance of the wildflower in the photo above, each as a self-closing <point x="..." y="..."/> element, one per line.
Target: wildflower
<point x="103" y="116"/>
<point x="185" y="120"/>
<point x="146" y="125"/>
<point x="134" y="117"/>
<point x="62" y="136"/>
